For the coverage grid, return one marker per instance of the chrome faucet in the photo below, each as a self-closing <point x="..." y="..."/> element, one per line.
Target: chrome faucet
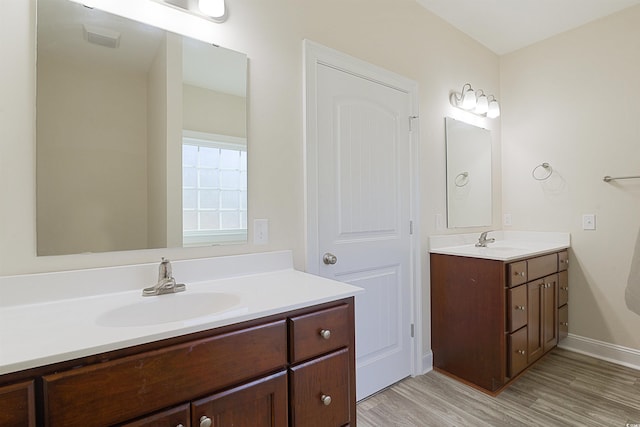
<point x="166" y="283"/>
<point x="482" y="241"/>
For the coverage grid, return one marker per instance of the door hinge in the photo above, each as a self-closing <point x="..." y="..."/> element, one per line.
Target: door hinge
<point x="410" y="227"/>
<point x="413" y="332"/>
<point x="410" y="121"/>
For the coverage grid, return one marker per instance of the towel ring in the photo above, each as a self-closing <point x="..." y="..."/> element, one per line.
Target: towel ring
<point x="462" y="179"/>
<point x="547" y="167"/>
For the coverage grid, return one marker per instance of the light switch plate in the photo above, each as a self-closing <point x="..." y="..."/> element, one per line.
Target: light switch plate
<point x="589" y="221"/>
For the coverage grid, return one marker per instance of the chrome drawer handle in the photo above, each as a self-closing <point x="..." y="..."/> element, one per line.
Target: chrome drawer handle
<point x="565" y="288"/>
<point x="564" y="323"/>
<point x="519" y="274"/>
<point x="519" y="307"/>
<point x="326" y="399"/>
<point x="325" y="333"/>
<point x="521" y="352"/>
<point x="205" y="421"/>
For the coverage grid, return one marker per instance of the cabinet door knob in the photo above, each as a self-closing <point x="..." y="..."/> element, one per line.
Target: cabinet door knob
<point x="325" y="333"/>
<point x="326" y="399"/>
<point x="522" y="352"/>
<point x="565" y="288"/>
<point x="180" y="425"/>
<point x="519" y="307"/>
<point x="205" y="421"/>
<point x="564" y="323"/>
<point x="521" y="273"/>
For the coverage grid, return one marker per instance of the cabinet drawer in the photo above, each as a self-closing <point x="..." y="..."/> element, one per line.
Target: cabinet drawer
<point x="320" y="391"/>
<point x="122" y="389"/>
<point x="517" y="311"/>
<point x="542" y="266"/>
<point x="319" y="332"/>
<point x="17" y="407"/>
<point x="517" y="272"/>
<point x="261" y="403"/>
<point x="563" y="260"/>
<point x="517" y="352"/>
<point x="179" y="415"/>
<point x="563" y="288"/>
<point x="563" y="322"/>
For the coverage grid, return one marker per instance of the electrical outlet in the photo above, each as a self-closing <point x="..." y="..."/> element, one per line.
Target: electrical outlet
<point x="506" y="221"/>
<point x="260" y="231"/>
<point x="589" y="221"/>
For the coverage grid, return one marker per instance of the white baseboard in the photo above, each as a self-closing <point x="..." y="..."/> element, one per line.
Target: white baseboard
<point x="427" y="362"/>
<point x="618" y="354"/>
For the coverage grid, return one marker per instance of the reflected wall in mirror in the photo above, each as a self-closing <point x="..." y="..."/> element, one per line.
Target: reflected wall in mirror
<point x="118" y="103"/>
<point x="468" y="174"/>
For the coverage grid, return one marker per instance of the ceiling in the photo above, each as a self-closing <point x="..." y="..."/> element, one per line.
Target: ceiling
<point x="508" y="25"/>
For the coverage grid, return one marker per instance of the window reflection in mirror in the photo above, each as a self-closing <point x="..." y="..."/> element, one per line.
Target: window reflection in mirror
<point x="114" y="97"/>
<point x="468" y="174"/>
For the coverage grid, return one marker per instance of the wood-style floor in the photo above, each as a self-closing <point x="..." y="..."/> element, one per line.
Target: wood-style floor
<point x="562" y="389"/>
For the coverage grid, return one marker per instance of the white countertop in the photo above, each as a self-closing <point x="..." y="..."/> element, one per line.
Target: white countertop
<point x="509" y="245"/>
<point x="45" y="332"/>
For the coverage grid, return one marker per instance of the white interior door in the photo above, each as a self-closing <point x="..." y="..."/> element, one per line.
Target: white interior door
<point x="363" y="215"/>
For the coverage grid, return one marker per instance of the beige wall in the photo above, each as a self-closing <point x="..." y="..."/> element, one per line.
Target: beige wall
<point x="213" y="112"/>
<point x="398" y="35"/>
<point x="572" y="101"/>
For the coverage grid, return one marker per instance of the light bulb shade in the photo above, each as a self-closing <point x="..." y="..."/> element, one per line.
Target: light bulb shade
<point x="212" y="8"/>
<point x="494" y="109"/>
<point x="482" y="105"/>
<point x="468" y="100"/>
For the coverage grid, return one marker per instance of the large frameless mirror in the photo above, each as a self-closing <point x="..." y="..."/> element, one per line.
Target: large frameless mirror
<point x="468" y="174"/>
<point x="141" y="135"/>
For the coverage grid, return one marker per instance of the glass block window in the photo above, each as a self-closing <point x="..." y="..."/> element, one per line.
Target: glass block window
<point x="214" y="189"/>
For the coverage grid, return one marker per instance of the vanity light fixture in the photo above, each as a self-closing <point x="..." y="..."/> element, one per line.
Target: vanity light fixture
<point x="476" y="102"/>
<point x="213" y="10"/>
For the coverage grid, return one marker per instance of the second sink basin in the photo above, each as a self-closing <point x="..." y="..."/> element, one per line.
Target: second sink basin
<point x="170" y="308"/>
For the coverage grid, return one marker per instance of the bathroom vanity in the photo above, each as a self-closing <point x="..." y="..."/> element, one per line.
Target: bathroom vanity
<point x="497" y="310"/>
<point x="283" y="355"/>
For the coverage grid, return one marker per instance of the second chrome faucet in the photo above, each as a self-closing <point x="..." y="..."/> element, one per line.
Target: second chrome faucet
<point x="166" y="282"/>
<point x="482" y="241"/>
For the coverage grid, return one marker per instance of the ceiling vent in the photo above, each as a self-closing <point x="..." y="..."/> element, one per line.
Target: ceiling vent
<point x="101" y="36"/>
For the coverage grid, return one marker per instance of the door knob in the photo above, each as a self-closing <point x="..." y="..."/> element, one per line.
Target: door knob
<point x="329" y="258"/>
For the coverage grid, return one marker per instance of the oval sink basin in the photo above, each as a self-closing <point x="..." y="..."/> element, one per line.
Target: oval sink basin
<point x="170" y="308"/>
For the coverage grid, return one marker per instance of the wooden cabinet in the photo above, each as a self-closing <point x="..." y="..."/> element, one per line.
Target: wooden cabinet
<point x="17" y="405"/>
<point x="492" y="319"/>
<point x="296" y="369"/>
<point x="322" y="380"/>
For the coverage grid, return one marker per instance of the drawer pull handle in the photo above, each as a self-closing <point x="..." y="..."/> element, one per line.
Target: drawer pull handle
<point x="565" y="288"/>
<point x="326" y="334"/>
<point x="519" y="273"/>
<point x="521" y="352"/>
<point x="205" y="421"/>
<point x="180" y="425"/>
<point x="326" y="399"/>
<point x="520" y="307"/>
<point x="564" y="323"/>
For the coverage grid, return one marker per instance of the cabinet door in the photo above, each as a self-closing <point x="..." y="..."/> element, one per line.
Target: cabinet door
<point x="542" y="321"/>
<point x="260" y="403"/>
<point x="174" y="417"/>
<point x="535" y="345"/>
<point x="550" y="312"/>
<point x="320" y="391"/>
<point x="17" y="405"/>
